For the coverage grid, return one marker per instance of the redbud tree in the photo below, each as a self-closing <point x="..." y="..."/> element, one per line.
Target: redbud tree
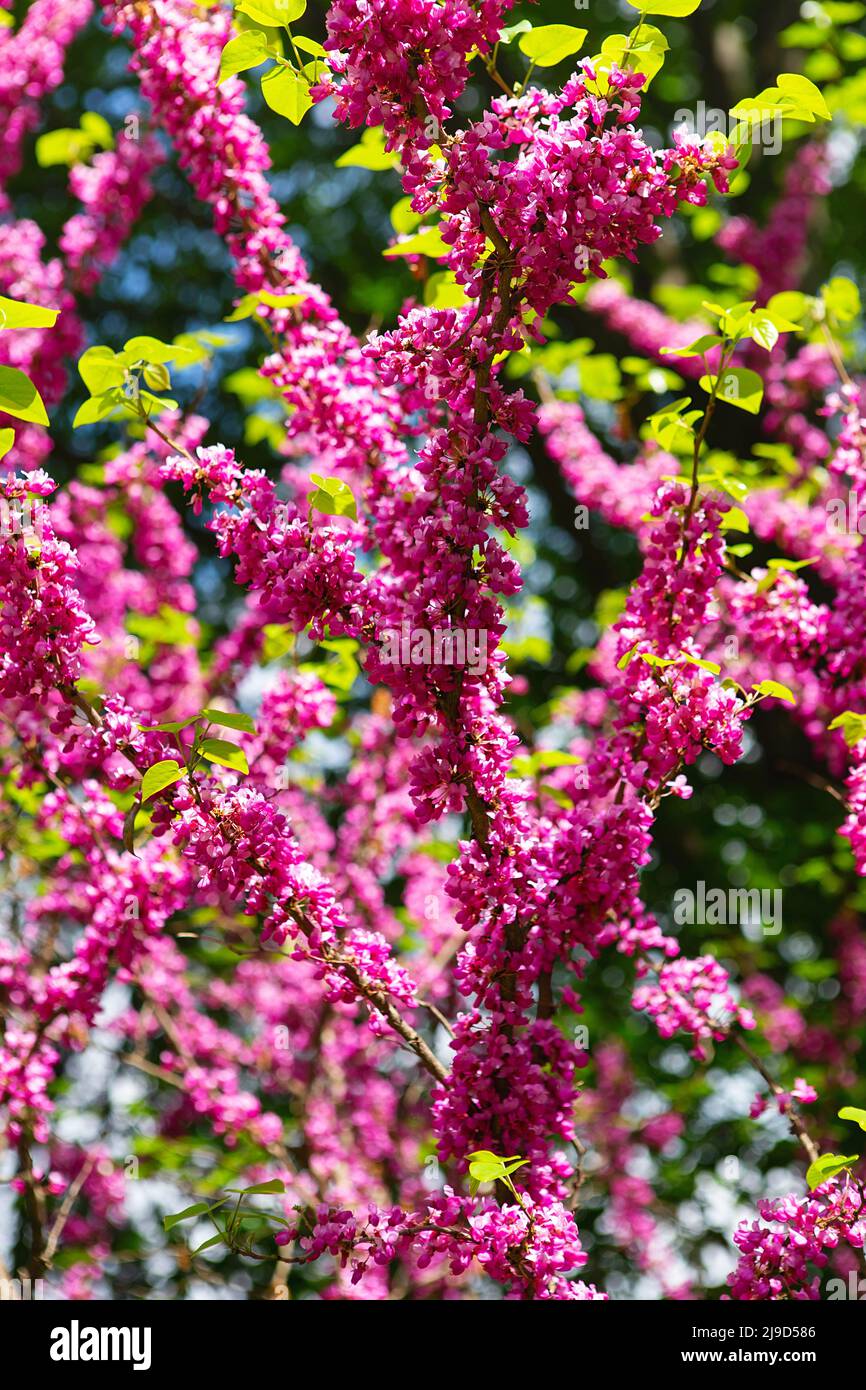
<point x="374" y="927"/>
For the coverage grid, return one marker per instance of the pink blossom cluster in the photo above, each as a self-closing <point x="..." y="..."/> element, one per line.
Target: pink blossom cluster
<point x="692" y="996"/>
<point x="113" y="190"/>
<point x="795" y="1237"/>
<point x="402" y="61"/>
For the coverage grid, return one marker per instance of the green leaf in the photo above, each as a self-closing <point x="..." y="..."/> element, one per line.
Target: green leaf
<point x="228" y="719"/>
<point x="217" y="750"/>
<point x="695" y="349"/>
<point x="163" y="774"/>
<point x="777" y="691"/>
<point x="710" y="666"/>
<point x="487" y="1170"/>
<point x="209" y="1243"/>
<point x="791" y="305"/>
<point x="851" y="1112"/>
<point x="248" y="50"/>
<point x="158" y="376"/>
<point x="247" y="306"/>
<point x="843" y="11"/>
<point x="333" y="497"/>
<point x="646" y="47"/>
<point x="777" y="567"/>
<point x="442" y="291"/>
<point x="146" y="349"/>
<point x="174" y="727"/>
<point x="169" y="627"/>
<point x="764" y="332"/>
<point x="735" y="519"/>
<point x="101" y="368"/>
<point x="529" y="765"/>
<point x="198" y="1209"/>
<point x="600" y="377"/>
<point x="512" y="1166"/>
<point x="287" y="93"/>
<point x="842" y="299"/>
<point x="152" y="405"/>
<point x="550" y="43"/>
<point x="16" y="313"/>
<point x="99" y="407"/>
<point x="261" y="1189"/>
<point x="523" y="26"/>
<point x="738" y="386"/>
<point x="7" y="439"/>
<point x="277" y="13"/>
<point x="339" y="675"/>
<point x="63" y="147"/>
<point x="853" y="726"/>
<point x="427" y="242"/>
<point x="804" y="92"/>
<point x="311" y="46"/>
<point x="98" y="129"/>
<point x="826" y="1167"/>
<point x="369" y="154"/>
<point x="486" y="1166"/>
<point x="659" y="662"/>
<point x="671" y="9"/>
<point x="19" y="397"/>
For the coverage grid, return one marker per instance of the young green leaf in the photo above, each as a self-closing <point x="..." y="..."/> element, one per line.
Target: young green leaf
<point x="548" y="44"/>
<point x="218" y="750"/>
<point x="174" y="727"/>
<point x="287" y="93"/>
<point x="333" y="497"/>
<point x="427" y="242"/>
<point x="209" y="1243"/>
<point x="369" y="154"/>
<point x="777" y="691"/>
<point x="99" y="407"/>
<point x="738" y="386"/>
<point x="100" y="369"/>
<point x="15" y="313"/>
<point x="853" y="727"/>
<point x="197" y="1209"/>
<point x="523" y="26"/>
<point x="852" y="1112"/>
<point x="842" y="299"/>
<point x="163" y="774"/>
<point x="695" y="349"/>
<point x="147" y="349"/>
<point x="276" y="13"/>
<point x="248" y="50"/>
<point x="804" y="92"/>
<point x="671" y="9"/>
<point x="826" y="1167"/>
<point x="735" y="519"/>
<point x="19" y="397"/>
<point x="261" y="1189"/>
<point x="229" y="719"/>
